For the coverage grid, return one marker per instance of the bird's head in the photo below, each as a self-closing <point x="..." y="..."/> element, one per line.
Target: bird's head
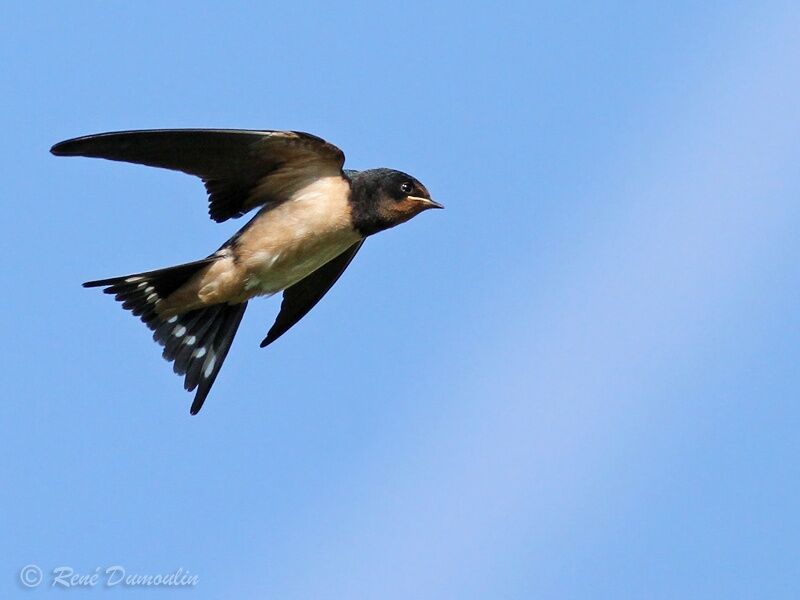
<point x="383" y="198"/>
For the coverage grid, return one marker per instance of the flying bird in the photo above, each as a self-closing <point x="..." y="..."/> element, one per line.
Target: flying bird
<point x="313" y="217"/>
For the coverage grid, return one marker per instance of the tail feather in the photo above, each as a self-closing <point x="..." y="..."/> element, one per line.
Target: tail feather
<point x="229" y="321"/>
<point x="196" y="342"/>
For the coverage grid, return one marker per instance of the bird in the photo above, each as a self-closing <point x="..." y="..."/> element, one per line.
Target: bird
<point x="313" y="217"/>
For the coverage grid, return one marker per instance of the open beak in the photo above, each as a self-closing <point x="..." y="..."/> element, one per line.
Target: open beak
<point x="425" y="203"/>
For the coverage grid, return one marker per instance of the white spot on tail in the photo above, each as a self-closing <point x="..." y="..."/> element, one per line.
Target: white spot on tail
<point x="179" y="331"/>
<point x="190" y="340"/>
<point x="172" y="319"/>
<point x="199" y="353"/>
<point x="133" y="279"/>
<point x="152" y="297"/>
<point x="210" y="362"/>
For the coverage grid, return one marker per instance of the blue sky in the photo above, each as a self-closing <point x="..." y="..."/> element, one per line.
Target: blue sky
<point x="578" y="381"/>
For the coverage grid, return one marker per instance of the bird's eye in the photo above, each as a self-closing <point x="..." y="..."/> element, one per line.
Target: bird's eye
<point x="407" y="187"/>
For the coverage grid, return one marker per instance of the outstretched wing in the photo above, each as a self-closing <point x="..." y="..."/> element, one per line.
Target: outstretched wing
<point x="304" y="295"/>
<point x="241" y="169"/>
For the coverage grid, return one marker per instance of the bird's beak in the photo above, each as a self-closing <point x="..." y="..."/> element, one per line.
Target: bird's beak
<point x="425" y="203"/>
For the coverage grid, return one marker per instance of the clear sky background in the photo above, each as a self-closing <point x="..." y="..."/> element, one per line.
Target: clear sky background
<point x="578" y="381"/>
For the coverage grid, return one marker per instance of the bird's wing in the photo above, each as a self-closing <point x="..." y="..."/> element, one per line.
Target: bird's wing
<point x="304" y="295"/>
<point x="241" y="169"/>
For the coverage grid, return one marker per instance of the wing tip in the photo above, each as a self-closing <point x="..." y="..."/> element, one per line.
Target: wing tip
<point x="73" y="146"/>
<point x="60" y="149"/>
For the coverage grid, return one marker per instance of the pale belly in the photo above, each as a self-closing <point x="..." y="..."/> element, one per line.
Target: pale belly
<point x="278" y="248"/>
<point x="272" y="270"/>
<point x="294" y="239"/>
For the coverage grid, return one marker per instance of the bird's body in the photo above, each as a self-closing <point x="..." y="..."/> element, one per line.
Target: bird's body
<point x="280" y="246"/>
<point x="314" y="217"/>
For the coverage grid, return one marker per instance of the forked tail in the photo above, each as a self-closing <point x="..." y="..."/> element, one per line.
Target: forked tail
<point x="196" y="342"/>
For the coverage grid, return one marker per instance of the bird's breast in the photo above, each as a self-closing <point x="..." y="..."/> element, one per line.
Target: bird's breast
<point x="285" y="243"/>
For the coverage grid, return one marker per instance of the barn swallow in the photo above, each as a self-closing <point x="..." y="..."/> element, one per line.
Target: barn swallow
<point x="313" y="218"/>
